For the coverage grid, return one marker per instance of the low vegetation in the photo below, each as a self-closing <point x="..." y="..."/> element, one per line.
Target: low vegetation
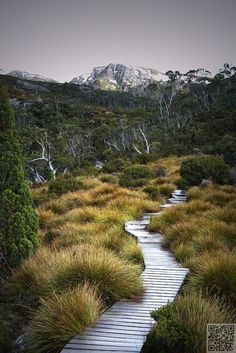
<point x="202" y="235"/>
<point x="86" y="261"/>
<point x="181" y="325"/>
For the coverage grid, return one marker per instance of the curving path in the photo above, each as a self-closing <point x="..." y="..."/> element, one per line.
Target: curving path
<point x="123" y="328"/>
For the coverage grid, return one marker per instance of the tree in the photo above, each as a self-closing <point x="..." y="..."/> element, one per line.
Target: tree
<point x="18" y="221"/>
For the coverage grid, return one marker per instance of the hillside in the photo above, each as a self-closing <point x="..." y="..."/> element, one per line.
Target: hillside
<point x="76" y="125"/>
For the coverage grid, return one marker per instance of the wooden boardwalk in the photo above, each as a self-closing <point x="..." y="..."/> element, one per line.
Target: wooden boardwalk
<point x="123" y="328"/>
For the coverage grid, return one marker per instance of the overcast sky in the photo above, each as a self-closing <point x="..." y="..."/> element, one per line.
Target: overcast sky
<point x="64" y="38"/>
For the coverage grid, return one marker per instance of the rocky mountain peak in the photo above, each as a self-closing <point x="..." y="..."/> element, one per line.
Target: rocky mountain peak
<point x="119" y="77"/>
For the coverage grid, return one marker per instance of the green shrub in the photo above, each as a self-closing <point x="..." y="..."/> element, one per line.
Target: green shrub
<point x="18" y="221"/>
<point x="193" y="170"/>
<point x="152" y="191"/>
<point x="108" y="178"/>
<point x="64" y="184"/>
<point x="115" y="165"/>
<point x="125" y="181"/>
<point x="181" y="326"/>
<point x="136" y="176"/>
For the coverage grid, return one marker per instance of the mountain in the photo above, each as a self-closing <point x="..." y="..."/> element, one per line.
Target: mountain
<point x="27" y="76"/>
<point x="119" y="77"/>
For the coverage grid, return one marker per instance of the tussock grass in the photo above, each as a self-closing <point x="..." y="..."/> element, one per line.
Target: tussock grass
<point x="184" y="253"/>
<point x="215" y="274"/>
<point x="166" y="189"/>
<point x="73" y="234"/>
<point x="196" y="207"/>
<point x="169" y="217"/>
<point x="180" y="233"/>
<point x="181" y="326"/>
<point x="195" y="193"/>
<point x="39" y="195"/>
<point x="132" y="252"/>
<point x="114" y="278"/>
<point x="62" y="316"/>
<point x="47" y="219"/>
<point x="78" y="264"/>
<point x="218" y="197"/>
<point x="56" y="206"/>
<point x="82" y="215"/>
<point x="134" y="206"/>
<point x="224" y="214"/>
<point x="34" y="277"/>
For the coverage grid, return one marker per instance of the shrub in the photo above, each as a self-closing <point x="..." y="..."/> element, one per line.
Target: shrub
<point x="116" y="165"/>
<point x="64" y="184"/>
<point x="18" y="221"/>
<point x="108" y="178"/>
<point x="61" y="317"/>
<point x="193" y="170"/>
<point x="136" y="176"/>
<point x="126" y="181"/>
<point x="181" y="326"/>
<point x="152" y="191"/>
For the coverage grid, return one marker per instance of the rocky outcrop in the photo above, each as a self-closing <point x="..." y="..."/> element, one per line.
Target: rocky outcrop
<point x="119" y="77"/>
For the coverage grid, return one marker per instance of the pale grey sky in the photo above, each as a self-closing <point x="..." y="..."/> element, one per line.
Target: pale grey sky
<point x="64" y="38"/>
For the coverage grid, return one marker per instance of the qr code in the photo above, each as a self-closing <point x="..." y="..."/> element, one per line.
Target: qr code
<point x="221" y="338"/>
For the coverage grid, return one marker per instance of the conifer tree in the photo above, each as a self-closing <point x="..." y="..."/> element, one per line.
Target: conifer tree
<point x="18" y="221"/>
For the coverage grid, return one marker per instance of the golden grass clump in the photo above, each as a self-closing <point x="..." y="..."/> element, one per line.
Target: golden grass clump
<point x="48" y="219"/>
<point x="219" y="197"/>
<point x="215" y="274"/>
<point x="36" y="273"/>
<point x="115" y="278"/>
<point x="196" y="207"/>
<point x="166" y="189"/>
<point x="82" y="215"/>
<point x="56" y="206"/>
<point x="195" y="193"/>
<point x="181" y="232"/>
<point x="62" y="316"/>
<point x="224" y="214"/>
<point x="39" y="195"/>
<point x="132" y="252"/>
<point x="184" y="253"/>
<point x="133" y="206"/>
<point x="169" y="217"/>
<point x="75" y="233"/>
